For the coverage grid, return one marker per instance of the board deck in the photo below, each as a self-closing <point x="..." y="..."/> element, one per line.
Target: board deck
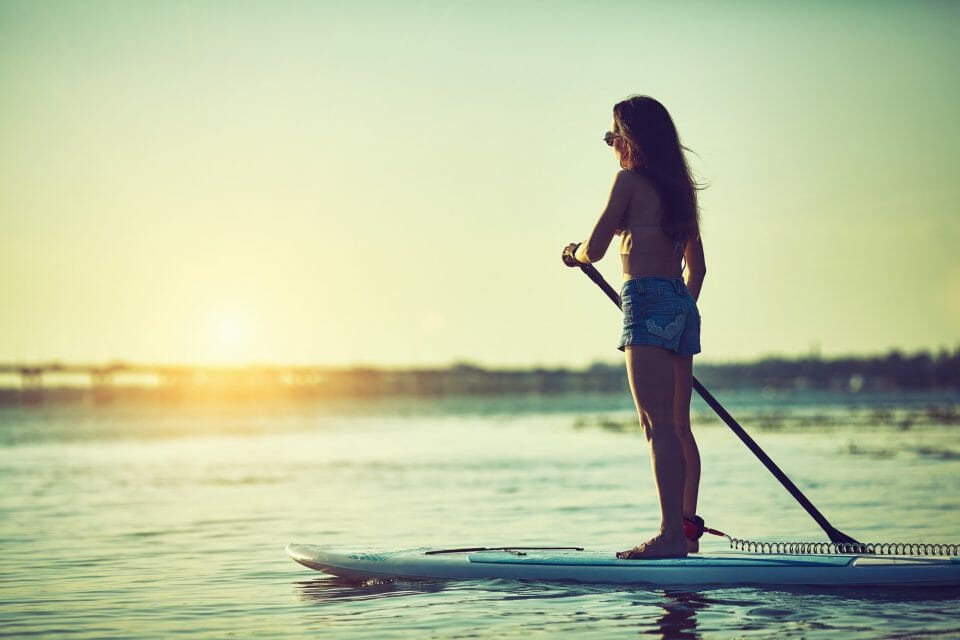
<point x="725" y="568"/>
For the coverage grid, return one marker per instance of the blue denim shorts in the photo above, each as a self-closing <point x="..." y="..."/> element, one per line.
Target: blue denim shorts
<point x="661" y="313"/>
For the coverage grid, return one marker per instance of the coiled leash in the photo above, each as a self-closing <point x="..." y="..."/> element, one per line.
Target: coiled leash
<point x="694" y="528"/>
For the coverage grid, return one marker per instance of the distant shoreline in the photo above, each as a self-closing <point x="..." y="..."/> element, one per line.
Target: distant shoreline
<point x="111" y="382"/>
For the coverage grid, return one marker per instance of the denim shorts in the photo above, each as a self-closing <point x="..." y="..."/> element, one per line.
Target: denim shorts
<point x="660" y="312"/>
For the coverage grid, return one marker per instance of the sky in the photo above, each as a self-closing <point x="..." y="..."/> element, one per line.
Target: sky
<point x="392" y="183"/>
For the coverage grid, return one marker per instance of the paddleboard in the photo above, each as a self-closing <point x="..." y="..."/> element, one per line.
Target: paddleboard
<point x="578" y="565"/>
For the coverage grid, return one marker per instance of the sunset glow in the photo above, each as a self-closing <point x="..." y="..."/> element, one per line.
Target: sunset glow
<point x="385" y="183"/>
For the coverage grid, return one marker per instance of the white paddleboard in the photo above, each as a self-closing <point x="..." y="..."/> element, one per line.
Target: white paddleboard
<point x="727" y="569"/>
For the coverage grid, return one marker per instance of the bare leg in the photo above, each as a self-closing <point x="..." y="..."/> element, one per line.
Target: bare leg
<point x="650" y="371"/>
<point x="683" y="381"/>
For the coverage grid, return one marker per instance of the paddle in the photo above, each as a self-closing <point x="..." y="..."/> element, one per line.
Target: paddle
<point x="832" y="532"/>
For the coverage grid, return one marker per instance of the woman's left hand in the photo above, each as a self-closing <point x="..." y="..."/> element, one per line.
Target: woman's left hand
<point x="570" y="255"/>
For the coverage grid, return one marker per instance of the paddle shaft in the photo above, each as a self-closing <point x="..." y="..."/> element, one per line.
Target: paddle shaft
<point x="832" y="532"/>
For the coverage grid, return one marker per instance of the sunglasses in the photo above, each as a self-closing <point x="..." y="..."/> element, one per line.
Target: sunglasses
<point x="609" y="137"/>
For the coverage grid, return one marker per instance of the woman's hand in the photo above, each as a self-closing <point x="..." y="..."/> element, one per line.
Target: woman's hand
<point x="570" y="255"/>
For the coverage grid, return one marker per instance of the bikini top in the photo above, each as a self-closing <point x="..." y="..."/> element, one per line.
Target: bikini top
<point x="625" y="247"/>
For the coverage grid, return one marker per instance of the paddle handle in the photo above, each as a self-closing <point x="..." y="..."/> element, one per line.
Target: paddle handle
<point x="832" y="532"/>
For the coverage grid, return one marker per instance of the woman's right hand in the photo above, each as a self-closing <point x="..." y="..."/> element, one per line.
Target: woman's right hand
<point x="570" y="255"/>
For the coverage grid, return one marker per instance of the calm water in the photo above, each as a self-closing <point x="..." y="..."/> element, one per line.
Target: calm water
<point x="149" y="522"/>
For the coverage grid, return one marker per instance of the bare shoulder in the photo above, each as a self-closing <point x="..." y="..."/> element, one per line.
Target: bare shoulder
<point x="639" y="185"/>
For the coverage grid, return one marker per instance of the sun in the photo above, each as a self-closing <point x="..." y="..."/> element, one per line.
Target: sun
<point x="228" y="337"/>
<point x="230" y="331"/>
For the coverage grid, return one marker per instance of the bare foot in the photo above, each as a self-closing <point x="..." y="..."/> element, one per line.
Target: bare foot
<point x="657" y="547"/>
<point x="693" y="546"/>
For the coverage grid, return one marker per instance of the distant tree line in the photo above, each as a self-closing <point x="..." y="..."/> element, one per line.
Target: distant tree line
<point x="894" y="371"/>
<point x="891" y="372"/>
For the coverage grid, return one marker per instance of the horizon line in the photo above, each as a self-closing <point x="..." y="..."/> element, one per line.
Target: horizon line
<point x="66" y="366"/>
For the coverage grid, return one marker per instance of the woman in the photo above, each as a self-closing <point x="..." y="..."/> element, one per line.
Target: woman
<point x="653" y="207"/>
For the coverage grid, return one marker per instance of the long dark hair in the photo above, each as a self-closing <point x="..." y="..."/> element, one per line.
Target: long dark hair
<point x="649" y="144"/>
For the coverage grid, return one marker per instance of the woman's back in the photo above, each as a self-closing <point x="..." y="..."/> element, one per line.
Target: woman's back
<point x="645" y="249"/>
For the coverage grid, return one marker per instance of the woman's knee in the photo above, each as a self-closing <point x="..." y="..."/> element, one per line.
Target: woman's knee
<point x="657" y="427"/>
<point x="682" y="425"/>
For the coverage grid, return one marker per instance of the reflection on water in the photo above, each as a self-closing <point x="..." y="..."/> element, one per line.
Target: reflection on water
<point x="120" y="524"/>
<point x="335" y="589"/>
<point x="677" y="616"/>
<point x="679" y="619"/>
<point x="672" y="614"/>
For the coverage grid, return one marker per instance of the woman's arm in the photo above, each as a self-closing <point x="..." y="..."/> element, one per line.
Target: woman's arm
<point x="596" y="245"/>
<point x="696" y="266"/>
